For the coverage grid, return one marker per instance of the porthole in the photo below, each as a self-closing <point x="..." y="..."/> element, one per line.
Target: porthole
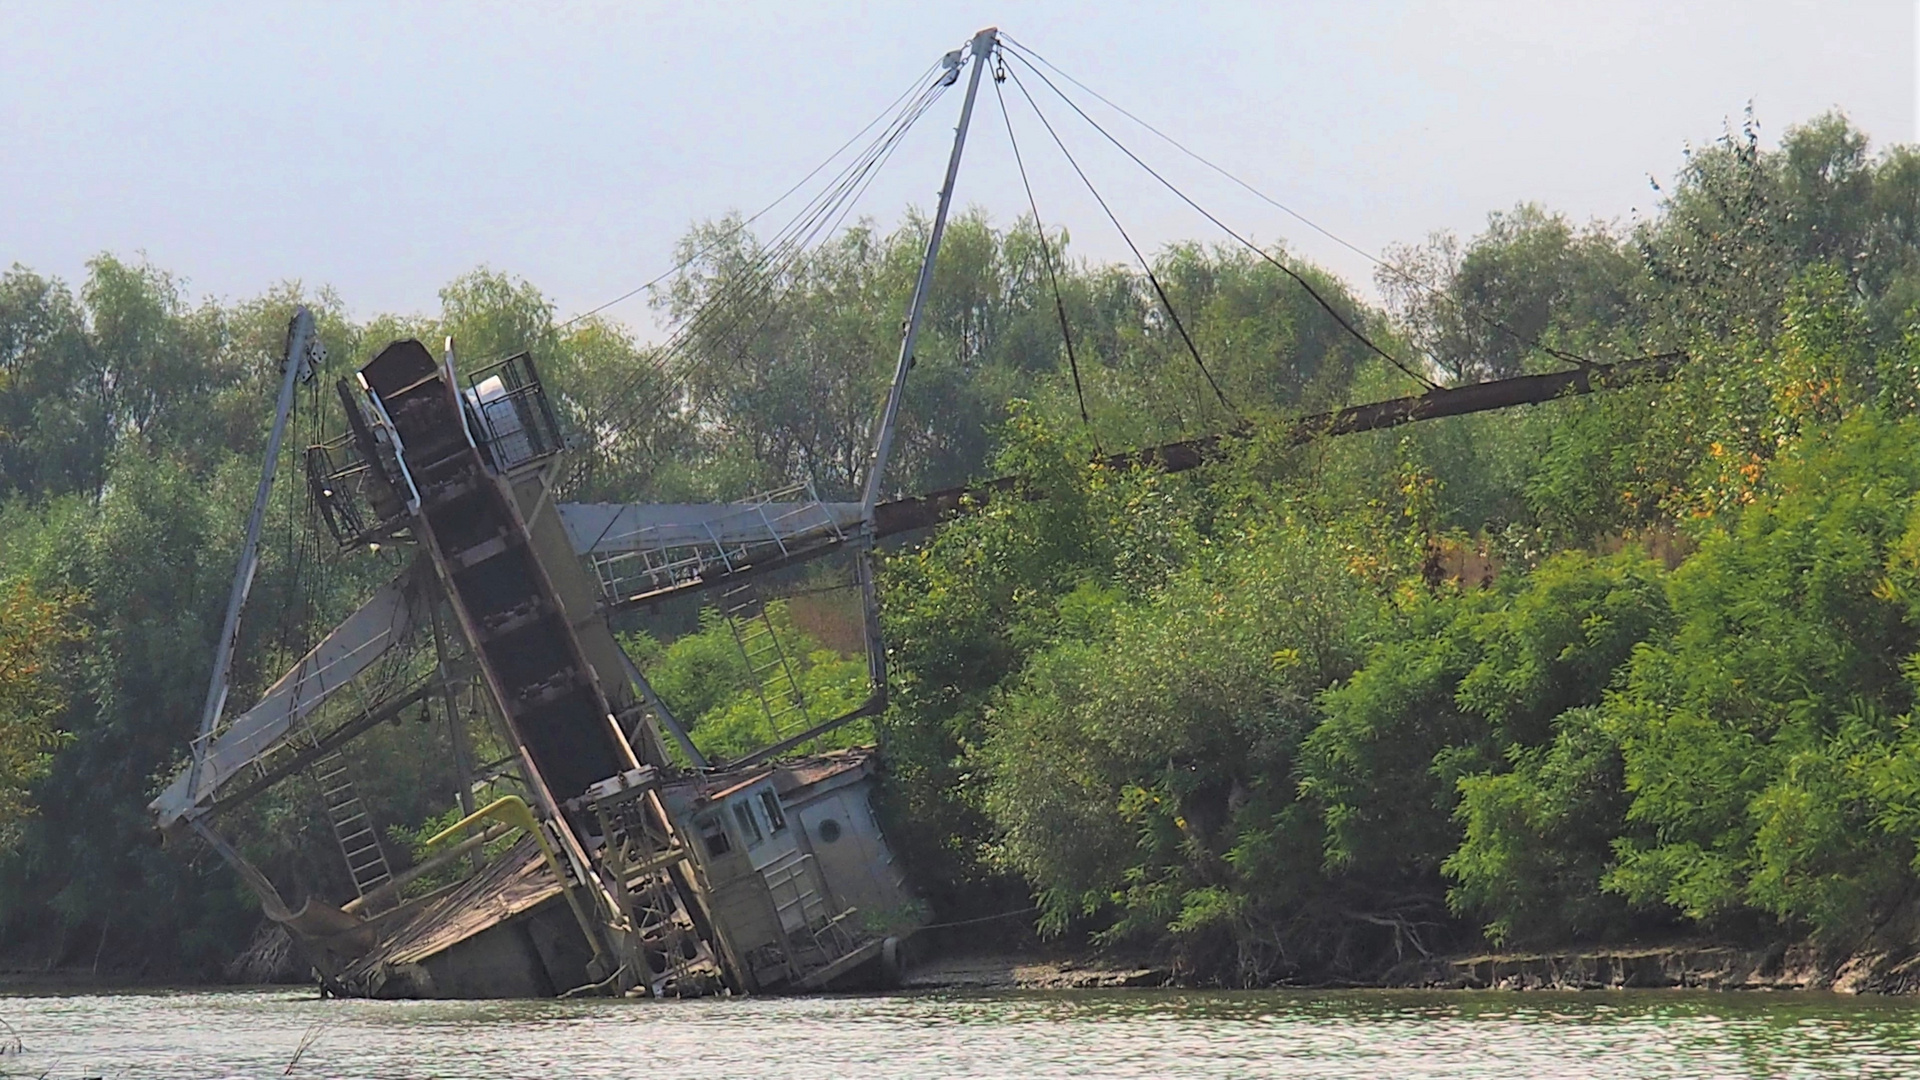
<point x="829" y="831"/>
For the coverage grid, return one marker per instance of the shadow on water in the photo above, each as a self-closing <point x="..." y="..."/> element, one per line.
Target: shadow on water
<point x="200" y="1034"/>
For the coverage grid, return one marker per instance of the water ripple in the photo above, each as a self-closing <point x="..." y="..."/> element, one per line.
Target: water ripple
<point x="199" y="1035"/>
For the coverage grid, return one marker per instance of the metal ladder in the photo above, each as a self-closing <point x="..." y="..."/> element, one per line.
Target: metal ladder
<point x="774" y="679"/>
<point x="818" y="936"/>
<point x="352" y="828"/>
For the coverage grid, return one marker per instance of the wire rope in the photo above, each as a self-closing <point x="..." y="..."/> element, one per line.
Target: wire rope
<point x="756" y="215"/>
<point x="768" y="264"/>
<point x="1046" y="260"/>
<point x="1152" y="278"/>
<point x="774" y="257"/>
<point x="719" y="316"/>
<point x="1028" y="54"/>
<point x="1298" y="279"/>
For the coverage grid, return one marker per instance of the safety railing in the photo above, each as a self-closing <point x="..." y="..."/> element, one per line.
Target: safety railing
<point x="773" y="524"/>
<point x="348" y="493"/>
<point x="508" y="408"/>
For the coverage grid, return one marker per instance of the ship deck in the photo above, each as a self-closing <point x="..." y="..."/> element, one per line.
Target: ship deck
<point x="515" y="883"/>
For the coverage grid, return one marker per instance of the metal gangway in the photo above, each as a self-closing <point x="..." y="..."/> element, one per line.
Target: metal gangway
<point x="645" y="550"/>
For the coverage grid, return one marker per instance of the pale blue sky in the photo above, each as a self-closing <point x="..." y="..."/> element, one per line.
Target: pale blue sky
<point x="385" y="148"/>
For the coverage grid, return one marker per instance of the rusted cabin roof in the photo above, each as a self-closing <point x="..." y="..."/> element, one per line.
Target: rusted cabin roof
<point x="821" y="767"/>
<point x="787" y="777"/>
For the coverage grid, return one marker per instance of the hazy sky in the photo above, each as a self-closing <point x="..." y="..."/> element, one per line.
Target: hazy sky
<point x="385" y="148"/>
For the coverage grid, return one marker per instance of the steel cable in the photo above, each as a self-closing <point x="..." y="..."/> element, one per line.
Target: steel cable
<point x="1152" y="278"/>
<point x="1298" y="279"/>
<point x="775" y="259"/>
<point x="919" y="80"/>
<point x="1046" y="260"/>
<point x="1027" y="55"/>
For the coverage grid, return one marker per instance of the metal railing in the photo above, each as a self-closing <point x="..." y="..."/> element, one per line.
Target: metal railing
<point x="345" y="490"/>
<point x="772" y="524"/>
<point x="815" y="934"/>
<point x="515" y="420"/>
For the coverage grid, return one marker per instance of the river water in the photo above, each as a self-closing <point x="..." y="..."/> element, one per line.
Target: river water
<point x="1369" y="1034"/>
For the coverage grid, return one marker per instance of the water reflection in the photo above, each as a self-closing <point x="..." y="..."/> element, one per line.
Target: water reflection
<point x="203" y="1035"/>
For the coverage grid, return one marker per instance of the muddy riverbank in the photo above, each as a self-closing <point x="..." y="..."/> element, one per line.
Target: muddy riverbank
<point x="1679" y="966"/>
<point x="1693" y="966"/>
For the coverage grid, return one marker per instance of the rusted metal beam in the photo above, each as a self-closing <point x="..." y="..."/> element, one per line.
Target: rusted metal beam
<point x="925" y="511"/>
<point x="906" y="515"/>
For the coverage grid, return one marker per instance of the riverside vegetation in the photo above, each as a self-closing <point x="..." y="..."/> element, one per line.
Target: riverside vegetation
<point x="1618" y="667"/>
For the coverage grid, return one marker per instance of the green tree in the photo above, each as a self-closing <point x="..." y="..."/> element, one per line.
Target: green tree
<point x="35" y="630"/>
<point x="1530" y="282"/>
<point x="1749" y="740"/>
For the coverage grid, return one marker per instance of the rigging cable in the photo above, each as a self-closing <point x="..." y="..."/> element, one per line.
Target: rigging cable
<point x="1027" y="54"/>
<point x="1151" y="276"/>
<point x="918" y="80"/>
<point x="721" y="314"/>
<point x="773" y="259"/>
<point x="1298" y="279"/>
<point x="762" y="273"/>
<point x="790" y="251"/>
<point x="725" y="339"/>
<point x="1046" y="258"/>
<point x="720" y="319"/>
<point x="763" y="270"/>
<point x="821" y="226"/>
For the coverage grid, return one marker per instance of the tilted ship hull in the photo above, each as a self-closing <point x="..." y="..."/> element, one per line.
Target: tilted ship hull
<point x="625" y="869"/>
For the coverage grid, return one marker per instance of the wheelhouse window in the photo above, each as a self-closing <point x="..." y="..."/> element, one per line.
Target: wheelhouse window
<point x="770" y="806"/>
<point x="749" y="822"/>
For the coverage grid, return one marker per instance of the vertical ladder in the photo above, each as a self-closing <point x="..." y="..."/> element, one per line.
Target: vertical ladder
<point x="815" y="935"/>
<point x="352" y="828"/>
<point x="774" y="679"/>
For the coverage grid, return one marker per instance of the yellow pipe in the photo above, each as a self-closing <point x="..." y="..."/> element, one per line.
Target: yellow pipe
<point x="513" y="810"/>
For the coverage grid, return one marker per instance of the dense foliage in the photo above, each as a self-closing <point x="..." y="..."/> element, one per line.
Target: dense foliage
<point x="33" y="629"/>
<point x="1639" y="664"/>
<point x="703" y="677"/>
<point x="1635" y="664"/>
